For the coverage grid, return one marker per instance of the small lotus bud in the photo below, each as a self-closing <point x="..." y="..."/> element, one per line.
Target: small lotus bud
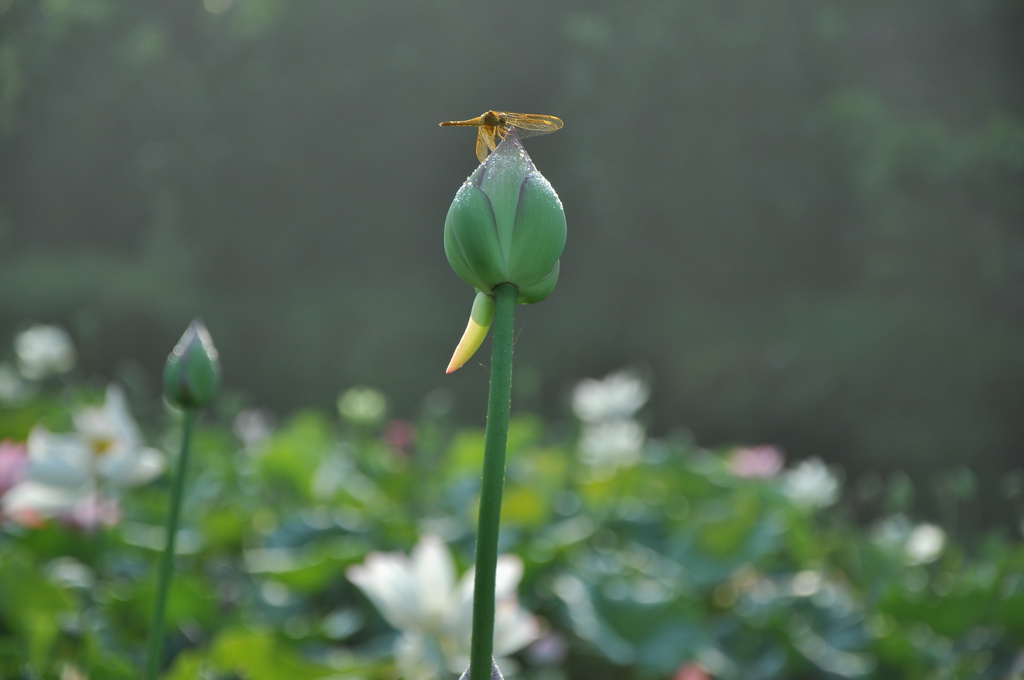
<point x="506" y="225"/>
<point x="192" y="372"/>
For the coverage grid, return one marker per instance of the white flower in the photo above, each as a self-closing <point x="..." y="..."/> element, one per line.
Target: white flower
<point x="915" y="544"/>
<point x="611" y="437"/>
<point x="253" y="427"/>
<point x="105" y="450"/>
<point x="12" y="387"/>
<point x="44" y="351"/>
<point x="811" y="484"/>
<point x="618" y="396"/>
<point x="925" y="543"/>
<point x="612" y="443"/>
<point x="420" y="597"/>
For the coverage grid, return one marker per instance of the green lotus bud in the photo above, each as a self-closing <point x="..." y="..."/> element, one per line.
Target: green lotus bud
<point x="192" y="372"/>
<point x="506" y="225"/>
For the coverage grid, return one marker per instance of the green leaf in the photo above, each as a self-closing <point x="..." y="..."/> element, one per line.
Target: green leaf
<point x="252" y="654"/>
<point x="30" y="607"/>
<point x="296" y="451"/>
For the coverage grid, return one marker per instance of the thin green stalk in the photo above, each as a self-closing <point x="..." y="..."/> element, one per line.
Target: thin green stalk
<point x="499" y="401"/>
<point x="156" y="629"/>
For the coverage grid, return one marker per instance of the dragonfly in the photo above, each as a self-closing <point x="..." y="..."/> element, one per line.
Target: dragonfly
<point x="492" y="126"/>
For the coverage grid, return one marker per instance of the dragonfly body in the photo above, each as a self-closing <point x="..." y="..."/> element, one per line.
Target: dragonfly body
<point x="492" y="126"/>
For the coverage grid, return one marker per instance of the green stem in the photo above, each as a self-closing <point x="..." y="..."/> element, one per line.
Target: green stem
<point x="156" y="630"/>
<point x="495" y="439"/>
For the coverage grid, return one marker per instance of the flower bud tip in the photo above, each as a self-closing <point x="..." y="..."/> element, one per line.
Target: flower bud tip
<point x="476" y="330"/>
<point x="192" y="371"/>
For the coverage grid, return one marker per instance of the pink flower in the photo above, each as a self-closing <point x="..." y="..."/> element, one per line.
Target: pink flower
<point x="13" y="459"/>
<point x="400" y="435"/>
<point x="92" y="512"/>
<point x="756" y="461"/>
<point x="691" y="671"/>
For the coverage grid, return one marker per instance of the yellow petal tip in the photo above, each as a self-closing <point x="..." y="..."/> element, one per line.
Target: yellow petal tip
<point x="476" y="330"/>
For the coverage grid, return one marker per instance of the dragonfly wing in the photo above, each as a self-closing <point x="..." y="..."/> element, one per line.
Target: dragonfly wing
<point x="531" y="124"/>
<point x="482" y="147"/>
<point x="487" y="140"/>
<point x="493" y="125"/>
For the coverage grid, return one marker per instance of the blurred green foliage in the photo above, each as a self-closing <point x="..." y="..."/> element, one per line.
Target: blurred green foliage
<point x="803" y="217"/>
<point x="638" y="570"/>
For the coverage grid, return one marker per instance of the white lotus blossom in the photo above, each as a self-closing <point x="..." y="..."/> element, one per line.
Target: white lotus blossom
<point x="44" y="350"/>
<point x="12" y="386"/>
<point x="253" y="427"/>
<point x="420" y="597"/>
<point x="611" y="436"/>
<point x="811" y="484"/>
<point x="613" y="443"/>
<point x="69" y="471"/>
<point x="617" y="396"/>
<point x="913" y="543"/>
<point x="925" y="543"/>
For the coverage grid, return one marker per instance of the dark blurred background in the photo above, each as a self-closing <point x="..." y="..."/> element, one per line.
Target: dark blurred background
<point x="804" y="219"/>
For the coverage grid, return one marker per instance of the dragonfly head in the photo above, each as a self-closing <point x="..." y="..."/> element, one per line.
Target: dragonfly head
<point x="494" y="119"/>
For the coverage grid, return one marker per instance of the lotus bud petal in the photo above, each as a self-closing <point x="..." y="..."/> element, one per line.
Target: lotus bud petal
<point x="476" y="330"/>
